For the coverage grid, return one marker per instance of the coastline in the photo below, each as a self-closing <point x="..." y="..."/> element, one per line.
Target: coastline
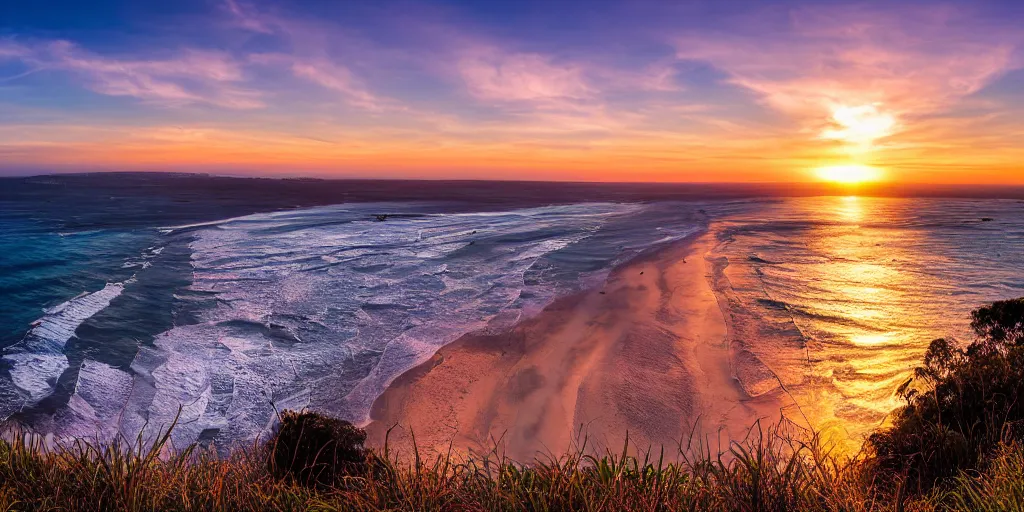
<point x="648" y="355"/>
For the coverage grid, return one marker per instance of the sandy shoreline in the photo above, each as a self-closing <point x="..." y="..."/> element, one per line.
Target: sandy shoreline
<point x="648" y="354"/>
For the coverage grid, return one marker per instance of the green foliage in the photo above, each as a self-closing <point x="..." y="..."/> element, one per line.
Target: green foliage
<point x="316" y="449"/>
<point x="960" y="405"/>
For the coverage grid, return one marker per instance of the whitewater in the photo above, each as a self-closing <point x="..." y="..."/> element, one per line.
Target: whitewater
<point x="320" y="308"/>
<point x="222" y="324"/>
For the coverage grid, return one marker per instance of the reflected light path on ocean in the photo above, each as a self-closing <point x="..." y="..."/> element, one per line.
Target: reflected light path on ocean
<point x="861" y="361"/>
<point x="838" y="297"/>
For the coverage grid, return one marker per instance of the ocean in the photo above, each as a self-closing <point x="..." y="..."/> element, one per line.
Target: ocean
<point x="124" y="310"/>
<point x="840" y="296"/>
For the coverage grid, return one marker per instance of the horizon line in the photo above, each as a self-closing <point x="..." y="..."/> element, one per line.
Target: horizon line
<point x="824" y="184"/>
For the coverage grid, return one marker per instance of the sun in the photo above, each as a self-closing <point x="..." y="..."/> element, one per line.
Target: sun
<point x="849" y="174"/>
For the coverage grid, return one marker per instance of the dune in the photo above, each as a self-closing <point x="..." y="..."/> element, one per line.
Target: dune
<point x="648" y="354"/>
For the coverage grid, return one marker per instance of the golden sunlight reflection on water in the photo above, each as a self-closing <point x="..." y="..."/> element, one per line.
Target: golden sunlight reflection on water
<point x="868" y="354"/>
<point x="849" y="276"/>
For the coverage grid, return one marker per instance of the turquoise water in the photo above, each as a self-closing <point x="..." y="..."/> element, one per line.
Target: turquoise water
<point x="43" y="265"/>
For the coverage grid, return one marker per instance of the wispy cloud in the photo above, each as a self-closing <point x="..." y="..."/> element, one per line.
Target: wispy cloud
<point x="246" y="17"/>
<point x="191" y="76"/>
<point x="10" y="49"/>
<point x="329" y="75"/>
<point x="493" y="75"/>
<point x="309" y="55"/>
<point x="905" y="61"/>
<point x="780" y="87"/>
<point x="337" y="78"/>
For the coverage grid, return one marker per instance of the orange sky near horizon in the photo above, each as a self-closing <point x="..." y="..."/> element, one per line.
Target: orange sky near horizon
<point x="614" y="161"/>
<point x="789" y="92"/>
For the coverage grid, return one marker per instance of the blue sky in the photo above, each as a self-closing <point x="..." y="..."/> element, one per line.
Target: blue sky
<point x="599" y="90"/>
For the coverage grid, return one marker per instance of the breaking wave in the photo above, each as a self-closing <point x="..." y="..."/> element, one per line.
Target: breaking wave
<point x="38" y="360"/>
<point x="321" y="308"/>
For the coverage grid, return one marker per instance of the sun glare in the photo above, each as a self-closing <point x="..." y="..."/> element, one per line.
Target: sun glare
<point x="849" y="174"/>
<point x="859" y="126"/>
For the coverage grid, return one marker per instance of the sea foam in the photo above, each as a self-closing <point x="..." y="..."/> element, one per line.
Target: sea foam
<point x="322" y="308"/>
<point x="38" y="359"/>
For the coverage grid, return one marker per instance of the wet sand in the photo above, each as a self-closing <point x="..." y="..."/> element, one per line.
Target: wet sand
<point x="648" y="354"/>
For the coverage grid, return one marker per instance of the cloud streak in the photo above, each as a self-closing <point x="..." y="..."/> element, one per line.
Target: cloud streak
<point x="328" y="75"/>
<point x="491" y="75"/>
<point x="774" y="91"/>
<point x="908" y="61"/>
<point x="192" y="76"/>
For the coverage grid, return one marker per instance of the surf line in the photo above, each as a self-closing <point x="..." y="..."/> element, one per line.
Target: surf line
<point x="38" y="360"/>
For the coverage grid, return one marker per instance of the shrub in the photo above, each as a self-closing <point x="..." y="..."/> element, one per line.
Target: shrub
<point x="1002" y="322"/>
<point x="960" y="404"/>
<point x="315" y="449"/>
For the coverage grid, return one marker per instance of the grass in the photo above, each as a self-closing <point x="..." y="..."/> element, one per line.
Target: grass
<point x="1000" y="489"/>
<point x="770" y="471"/>
<point x="956" y="445"/>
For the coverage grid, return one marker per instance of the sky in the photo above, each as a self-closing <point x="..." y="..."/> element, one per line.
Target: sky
<point x="719" y="91"/>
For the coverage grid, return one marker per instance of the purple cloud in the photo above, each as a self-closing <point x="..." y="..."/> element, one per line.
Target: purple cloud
<point x="192" y="76"/>
<point x="491" y="75"/>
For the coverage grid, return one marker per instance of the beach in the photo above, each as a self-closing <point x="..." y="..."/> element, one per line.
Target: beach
<point x="533" y="322"/>
<point x="648" y="355"/>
